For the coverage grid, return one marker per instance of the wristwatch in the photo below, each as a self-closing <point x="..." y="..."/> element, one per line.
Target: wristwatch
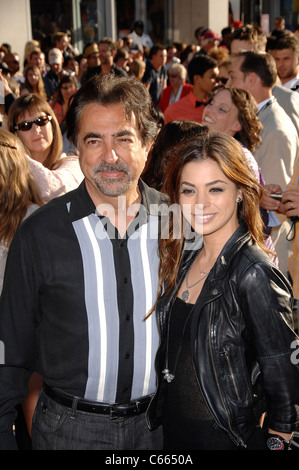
<point x="276" y="442"/>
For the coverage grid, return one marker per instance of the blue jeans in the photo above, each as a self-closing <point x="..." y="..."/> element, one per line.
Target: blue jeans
<point x="56" y="427"/>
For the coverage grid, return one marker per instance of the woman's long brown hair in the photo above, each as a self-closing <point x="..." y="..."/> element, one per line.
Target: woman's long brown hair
<point x="228" y="154"/>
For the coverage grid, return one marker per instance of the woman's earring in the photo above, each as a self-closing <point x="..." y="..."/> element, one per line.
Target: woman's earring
<point x="239" y="199"/>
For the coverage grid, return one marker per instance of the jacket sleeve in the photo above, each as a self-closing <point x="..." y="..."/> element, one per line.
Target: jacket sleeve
<point x="266" y="299"/>
<point x="17" y="335"/>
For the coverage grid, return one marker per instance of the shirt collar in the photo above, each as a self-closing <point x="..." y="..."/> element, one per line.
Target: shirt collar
<point x="81" y="205"/>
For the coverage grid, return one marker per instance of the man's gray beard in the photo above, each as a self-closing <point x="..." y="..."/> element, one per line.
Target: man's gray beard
<point x="112" y="187"/>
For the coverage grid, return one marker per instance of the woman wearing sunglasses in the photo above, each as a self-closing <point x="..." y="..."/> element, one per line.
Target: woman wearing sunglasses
<point x="32" y="119"/>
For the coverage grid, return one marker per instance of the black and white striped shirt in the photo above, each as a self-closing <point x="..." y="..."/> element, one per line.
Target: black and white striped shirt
<point x="74" y="301"/>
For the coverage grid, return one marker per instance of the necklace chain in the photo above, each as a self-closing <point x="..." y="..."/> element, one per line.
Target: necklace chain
<point x="185" y="293"/>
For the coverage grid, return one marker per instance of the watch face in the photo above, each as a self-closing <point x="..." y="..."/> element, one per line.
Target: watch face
<point x="274" y="443"/>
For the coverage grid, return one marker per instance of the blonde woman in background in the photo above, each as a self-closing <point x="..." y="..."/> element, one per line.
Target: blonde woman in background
<point x="33" y="82"/>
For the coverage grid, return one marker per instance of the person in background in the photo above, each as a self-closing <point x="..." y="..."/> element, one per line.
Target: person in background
<point x="55" y="59"/>
<point x="252" y="38"/>
<point x="19" y="198"/>
<point x="122" y="59"/>
<point x="12" y="60"/>
<point x="161" y="152"/>
<point x="155" y="76"/>
<point x="33" y="120"/>
<point x="107" y="52"/>
<point x="203" y="75"/>
<point x="19" y="194"/>
<point x="139" y="36"/>
<point x="256" y="72"/>
<point x="224" y="312"/>
<point x="177" y="88"/>
<point x="286" y="55"/>
<point x="137" y="68"/>
<point x="33" y="82"/>
<point x="67" y="87"/>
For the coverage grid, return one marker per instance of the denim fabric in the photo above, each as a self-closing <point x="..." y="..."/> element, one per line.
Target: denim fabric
<point x="56" y="427"/>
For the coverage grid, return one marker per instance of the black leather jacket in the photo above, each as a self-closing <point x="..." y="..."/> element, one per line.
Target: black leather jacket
<point x="242" y="341"/>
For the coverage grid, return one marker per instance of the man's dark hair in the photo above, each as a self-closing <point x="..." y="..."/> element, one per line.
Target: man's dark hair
<point x="155" y="48"/>
<point x="261" y="63"/>
<point x="287" y="42"/>
<point x="199" y="65"/>
<point x="108" y="90"/>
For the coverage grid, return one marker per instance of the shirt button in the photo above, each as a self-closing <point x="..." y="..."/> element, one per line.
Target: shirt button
<point x="126" y="280"/>
<point x="128" y="317"/>
<point x="128" y="355"/>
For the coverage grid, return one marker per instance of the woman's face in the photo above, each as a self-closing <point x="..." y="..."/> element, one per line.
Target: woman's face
<point x="221" y="114"/>
<point x="38" y="139"/>
<point x="67" y="90"/>
<point x="32" y="77"/>
<point x="208" y="199"/>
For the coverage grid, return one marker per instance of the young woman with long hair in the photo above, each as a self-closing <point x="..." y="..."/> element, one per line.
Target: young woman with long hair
<point x="19" y="195"/>
<point x="33" y="82"/>
<point x="224" y="311"/>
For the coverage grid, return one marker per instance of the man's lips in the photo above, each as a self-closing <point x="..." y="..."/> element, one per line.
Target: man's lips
<point x="112" y="174"/>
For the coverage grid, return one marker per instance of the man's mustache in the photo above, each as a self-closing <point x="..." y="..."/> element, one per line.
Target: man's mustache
<point x="108" y="167"/>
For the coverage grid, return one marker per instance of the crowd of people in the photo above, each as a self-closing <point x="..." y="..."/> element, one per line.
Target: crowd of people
<point x="132" y="329"/>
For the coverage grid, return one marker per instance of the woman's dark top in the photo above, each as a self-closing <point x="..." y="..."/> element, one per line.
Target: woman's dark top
<point x="187" y="422"/>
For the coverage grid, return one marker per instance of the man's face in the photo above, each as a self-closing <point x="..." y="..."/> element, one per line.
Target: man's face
<point x="112" y="155"/>
<point x="237" y="78"/>
<point x="105" y="53"/>
<point x="159" y="59"/>
<point x="286" y="63"/>
<point x="63" y="43"/>
<point x="13" y="63"/>
<point x="207" y="81"/>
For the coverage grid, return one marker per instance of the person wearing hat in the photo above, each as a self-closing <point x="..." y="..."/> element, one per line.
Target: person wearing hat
<point x="139" y="37"/>
<point x="55" y="60"/>
<point x="92" y="56"/>
<point x="209" y="39"/>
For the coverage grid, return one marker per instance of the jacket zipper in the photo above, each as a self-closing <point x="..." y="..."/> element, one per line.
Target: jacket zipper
<point x="226" y="355"/>
<point x="235" y="437"/>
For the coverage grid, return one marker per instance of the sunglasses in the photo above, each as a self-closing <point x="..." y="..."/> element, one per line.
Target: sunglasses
<point x="26" y="125"/>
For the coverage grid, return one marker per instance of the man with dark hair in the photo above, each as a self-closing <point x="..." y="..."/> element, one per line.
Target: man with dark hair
<point x="256" y="72"/>
<point x="286" y="53"/>
<point x="107" y="51"/>
<point x="155" y="75"/>
<point x="203" y="74"/>
<point x="252" y="38"/>
<point x="87" y="277"/>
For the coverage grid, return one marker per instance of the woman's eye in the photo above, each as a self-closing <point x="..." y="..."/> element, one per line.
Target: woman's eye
<point x="187" y="191"/>
<point x="216" y="190"/>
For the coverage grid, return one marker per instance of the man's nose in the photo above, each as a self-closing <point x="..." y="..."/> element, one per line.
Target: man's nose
<point x="110" y="156"/>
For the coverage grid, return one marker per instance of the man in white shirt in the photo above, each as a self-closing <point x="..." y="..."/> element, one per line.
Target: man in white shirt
<point x="139" y="37"/>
